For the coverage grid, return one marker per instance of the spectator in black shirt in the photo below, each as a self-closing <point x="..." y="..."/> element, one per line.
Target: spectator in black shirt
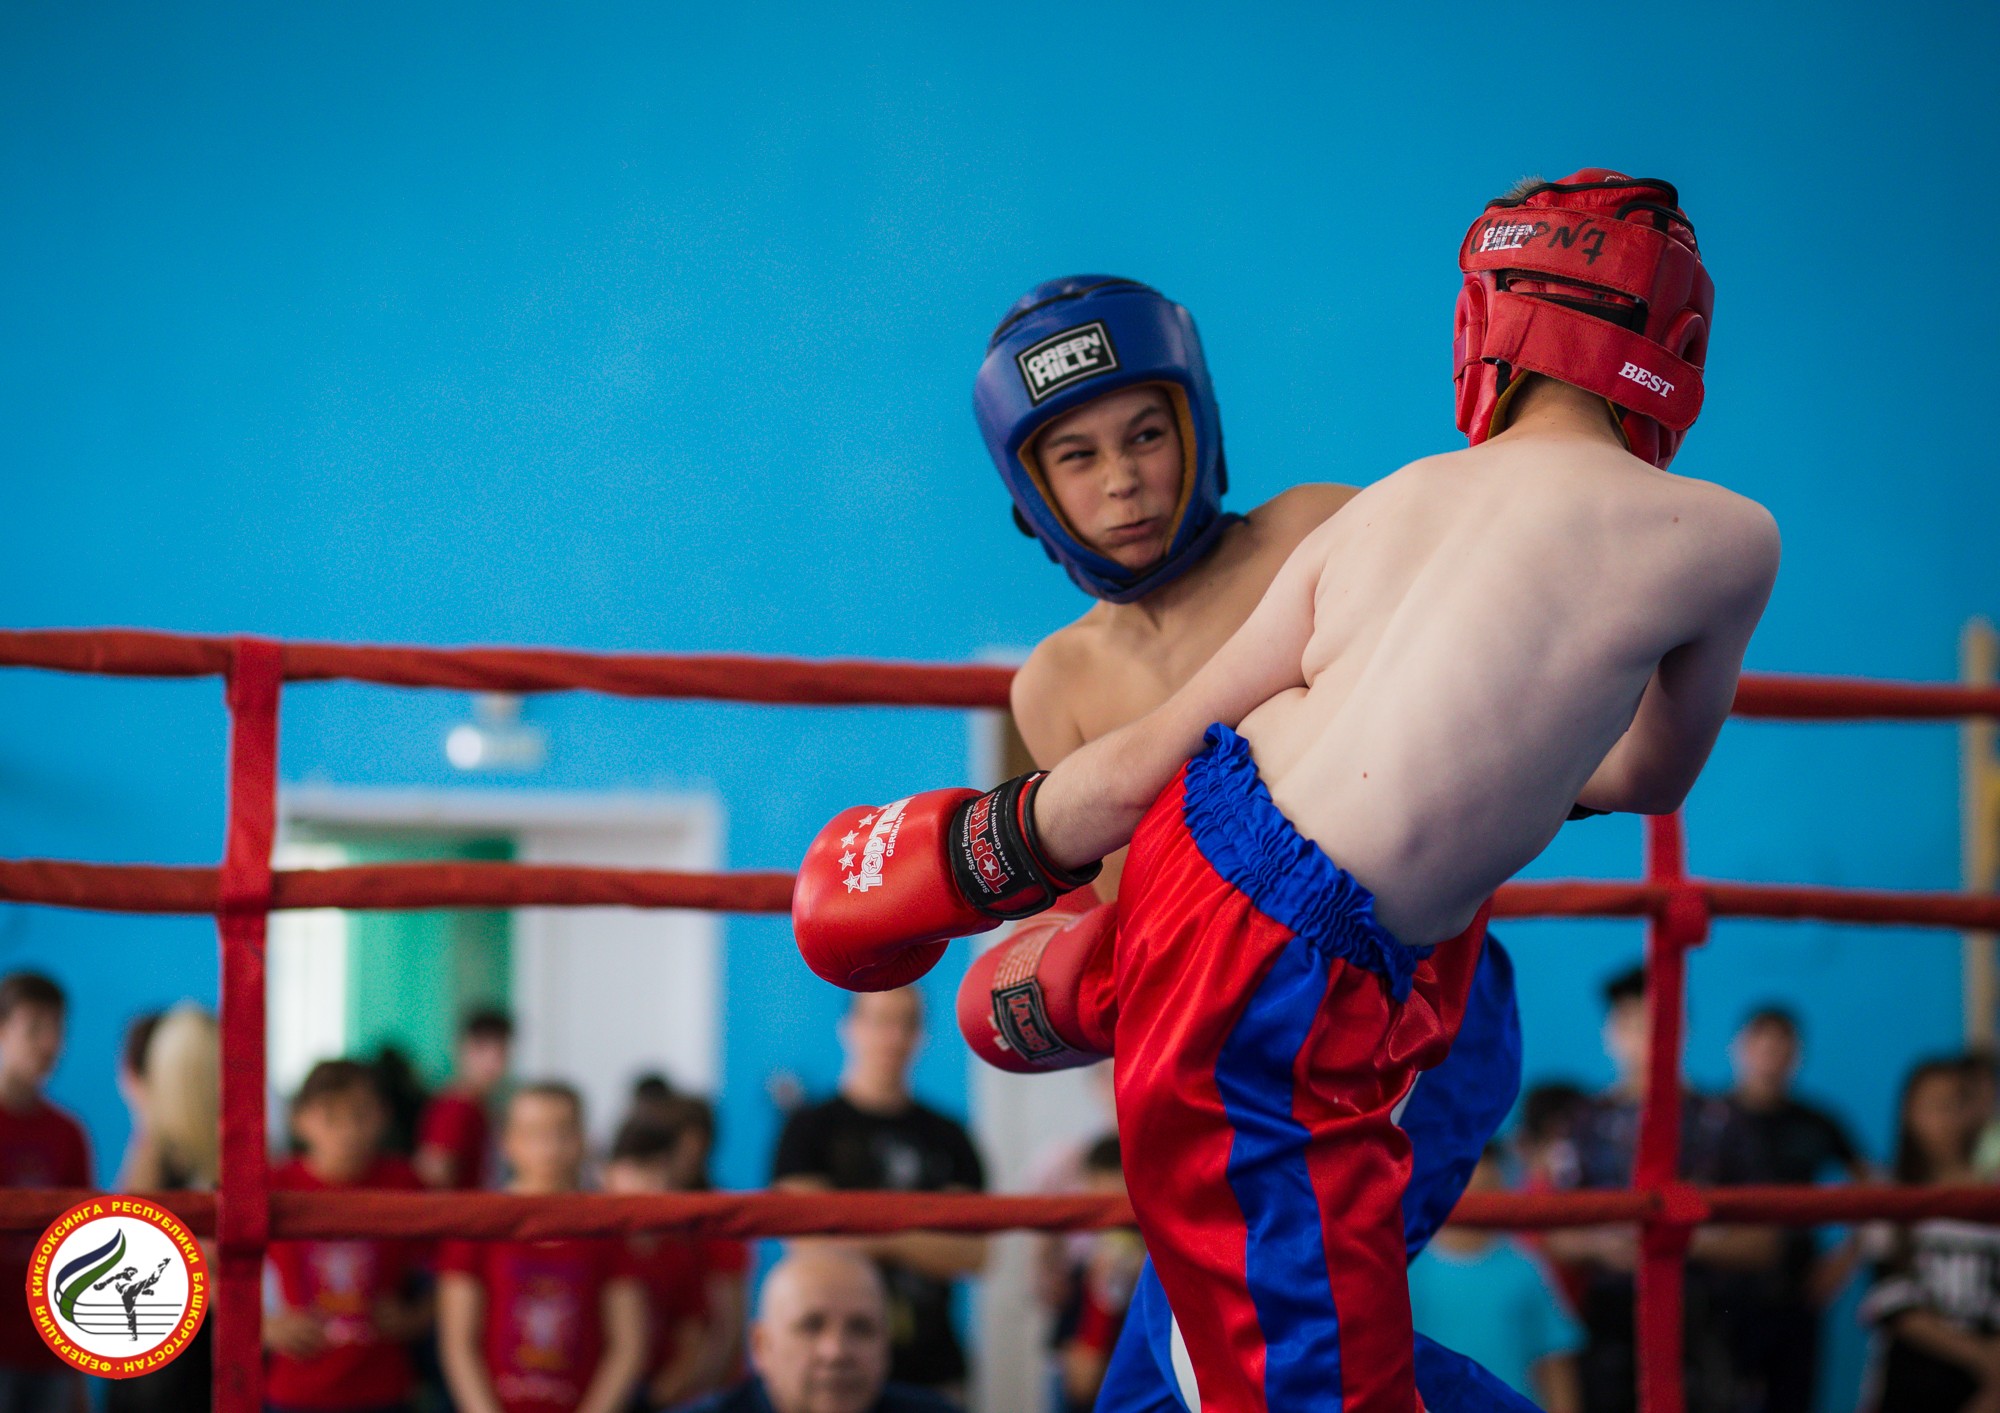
<point x="1714" y="1150"/>
<point x="874" y="1135"/>
<point x="1795" y="1144"/>
<point x="1935" y="1305"/>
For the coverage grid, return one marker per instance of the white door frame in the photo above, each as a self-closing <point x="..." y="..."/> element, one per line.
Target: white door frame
<point x="600" y="995"/>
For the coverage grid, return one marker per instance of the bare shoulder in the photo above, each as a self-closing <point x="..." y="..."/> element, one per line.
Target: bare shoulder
<point x="1041" y="692"/>
<point x="1287" y="520"/>
<point x="1302" y="508"/>
<point x="1743" y="532"/>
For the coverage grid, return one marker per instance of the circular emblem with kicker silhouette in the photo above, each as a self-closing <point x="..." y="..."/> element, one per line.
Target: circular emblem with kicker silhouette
<point x="117" y="1287"/>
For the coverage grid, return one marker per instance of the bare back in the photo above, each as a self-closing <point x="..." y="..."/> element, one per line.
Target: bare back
<point x="1484" y="625"/>
<point x="1473" y="645"/>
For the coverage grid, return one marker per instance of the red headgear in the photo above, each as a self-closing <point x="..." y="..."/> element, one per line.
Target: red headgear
<point x="1594" y="280"/>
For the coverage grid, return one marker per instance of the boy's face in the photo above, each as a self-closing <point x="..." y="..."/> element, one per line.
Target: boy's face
<point x="342" y="1132"/>
<point x="1628" y="1029"/>
<point x="30" y="1040"/>
<point x="543" y="1141"/>
<point x="633" y="1175"/>
<point x="482" y="1062"/>
<point x="883" y="1029"/>
<point x="1114" y="468"/>
<point x="1765" y="1056"/>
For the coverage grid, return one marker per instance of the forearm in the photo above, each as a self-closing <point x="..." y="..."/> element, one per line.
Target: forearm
<point x="465" y="1375"/>
<point x="1557" y="1384"/>
<point x="624" y="1360"/>
<point x="1935" y="1335"/>
<point x="461" y="1311"/>
<point x="1655" y="763"/>
<point x="618" y="1374"/>
<point x="1736" y="1248"/>
<point x="1095" y="797"/>
<point x="681" y="1367"/>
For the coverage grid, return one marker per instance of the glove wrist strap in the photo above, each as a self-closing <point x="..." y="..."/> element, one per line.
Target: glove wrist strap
<point x="997" y="858"/>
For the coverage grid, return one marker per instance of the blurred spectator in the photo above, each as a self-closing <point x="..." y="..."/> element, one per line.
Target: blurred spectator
<point x="1776" y="1311"/>
<point x="1100" y="1291"/>
<point x="338" y="1314"/>
<point x="694" y="1286"/>
<point x="1545" y="1139"/>
<point x="402" y="1091"/>
<point x="541" y="1326"/>
<point x="1935" y="1305"/>
<point x="821" y="1342"/>
<point x="1482" y="1295"/>
<point x="873" y="1135"/>
<point x="139" y="1171"/>
<point x="1062" y="1170"/>
<point x="1545" y="1145"/>
<point x="1715" y="1149"/>
<point x="454" y="1140"/>
<point x="183" y="1101"/>
<point x="1983" y="1095"/>
<point x="40" y="1146"/>
<point x="653" y="1098"/>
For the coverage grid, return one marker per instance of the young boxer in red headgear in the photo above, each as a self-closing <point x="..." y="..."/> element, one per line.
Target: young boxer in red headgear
<point x="1478" y="645"/>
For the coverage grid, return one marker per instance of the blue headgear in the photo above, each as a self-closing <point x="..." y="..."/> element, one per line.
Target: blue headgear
<point x="1065" y="343"/>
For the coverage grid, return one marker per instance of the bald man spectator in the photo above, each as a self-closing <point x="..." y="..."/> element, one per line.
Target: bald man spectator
<point x="820" y="1342"/>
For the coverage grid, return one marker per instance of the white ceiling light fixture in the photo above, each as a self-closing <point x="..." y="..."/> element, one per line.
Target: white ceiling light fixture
<point x="496" y="739"/>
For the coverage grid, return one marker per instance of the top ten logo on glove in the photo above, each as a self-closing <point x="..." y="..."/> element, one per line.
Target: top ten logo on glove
<point x="117" y="1287"/>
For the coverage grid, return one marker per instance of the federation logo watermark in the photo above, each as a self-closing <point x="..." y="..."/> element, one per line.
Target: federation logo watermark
<point x="1064" y="358"/>
<point x="117" y="1287"/>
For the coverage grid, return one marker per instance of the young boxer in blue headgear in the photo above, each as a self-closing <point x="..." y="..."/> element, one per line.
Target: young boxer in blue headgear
<point x="1095" y="402"/>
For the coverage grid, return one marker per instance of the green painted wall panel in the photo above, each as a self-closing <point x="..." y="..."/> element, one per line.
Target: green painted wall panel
<point x="412" y="976"/>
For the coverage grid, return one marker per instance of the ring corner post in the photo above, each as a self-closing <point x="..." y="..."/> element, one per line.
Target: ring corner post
<point x="243" y="1211"/>
<point x="1680" y="923"/>
<point x="1979" y="768"/>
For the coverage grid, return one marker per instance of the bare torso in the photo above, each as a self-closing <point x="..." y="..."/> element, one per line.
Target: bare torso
<point x="1120" y="661"/>
<point x="1484" y="625"/>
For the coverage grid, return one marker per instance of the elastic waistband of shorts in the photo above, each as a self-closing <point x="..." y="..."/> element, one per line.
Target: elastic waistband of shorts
<point x="1254" y="849"/>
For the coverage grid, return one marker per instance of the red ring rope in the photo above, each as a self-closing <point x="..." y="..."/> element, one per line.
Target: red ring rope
<point x="152" y="888"/>
<point x="131" y="652"/>
<point x="245" y="890"/>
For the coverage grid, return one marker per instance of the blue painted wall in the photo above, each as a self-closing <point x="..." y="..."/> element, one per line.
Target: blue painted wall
<point x="636" y="326"/>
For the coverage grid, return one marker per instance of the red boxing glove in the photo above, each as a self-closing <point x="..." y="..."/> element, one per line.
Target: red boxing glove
<point x="1042" y="998"/>
<point x="882" y="889"/>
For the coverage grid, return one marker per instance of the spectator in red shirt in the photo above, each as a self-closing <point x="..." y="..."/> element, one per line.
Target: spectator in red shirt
<point x="338" y="1315"/>
<point x="541" y="1326"/>
<point x="40" y="1146"/>
<point x="694" y="1286"/>
<point x="453" y="1136"/>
